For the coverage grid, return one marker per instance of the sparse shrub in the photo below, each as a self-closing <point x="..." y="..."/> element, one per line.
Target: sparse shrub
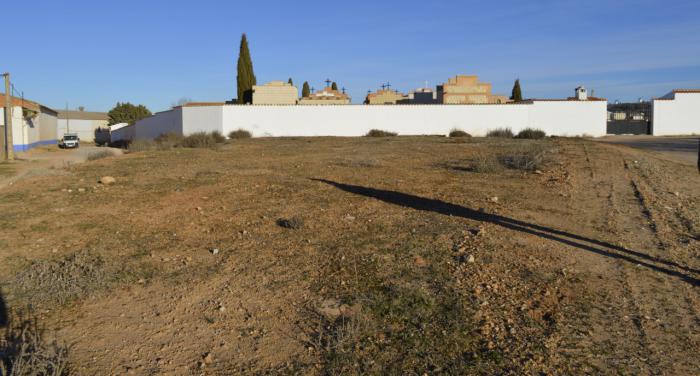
<point x="380" y="133"/>
<point x="293" y="223"/>
<point x="199" y="140"/>
<point x="95" y="155"/>
<point x="531" y="133"/>
<point x="25" y="351"/>
<point x="140" y="145"/>
<point x="500" y="133"/>
<point x="168" y="140"/>
<point x="459" y="133"/>
<point x="484" y="163"/>
<point x="218" y="137"/>
<point x="528" y="158"/>
<point x="239" y="133"/>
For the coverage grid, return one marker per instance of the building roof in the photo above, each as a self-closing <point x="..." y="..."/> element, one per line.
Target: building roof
<point x="82" y="115"/>
<point x="686" y="91"/>
<point x="26" y="103"/>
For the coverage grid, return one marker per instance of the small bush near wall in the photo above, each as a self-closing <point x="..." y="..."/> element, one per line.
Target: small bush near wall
<point x="199" y="140"/>
<point x="168" y="140"/>
<point x="141" y="145"/>
<point x="380" y="133"/>
<point x="218" y="137"/>
<point x="531" y="133"/>
<point x="95" y="155"/>
<point x="459" y="133"/>
<point x="500" y="133"/>
<point x="239" y="133"/>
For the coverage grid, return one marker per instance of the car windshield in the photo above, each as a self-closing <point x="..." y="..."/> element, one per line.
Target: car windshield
<point x="70" y="138"/>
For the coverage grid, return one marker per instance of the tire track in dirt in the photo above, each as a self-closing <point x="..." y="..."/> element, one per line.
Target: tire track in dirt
<point x="596" y="338"/>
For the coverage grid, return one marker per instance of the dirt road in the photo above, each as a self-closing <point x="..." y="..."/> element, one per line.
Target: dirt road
<point x="47" y="160"/>
<point x="405" y="255"/>
<point x="682" y="149"/>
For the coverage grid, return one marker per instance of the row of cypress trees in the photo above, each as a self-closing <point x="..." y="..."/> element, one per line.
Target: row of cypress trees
<point x="246" y="78"/>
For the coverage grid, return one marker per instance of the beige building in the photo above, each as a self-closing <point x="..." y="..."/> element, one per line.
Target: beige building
<point x="84" y="123"/>
<point x="467" y="90"/>
<point x="275" y="92"/>
<point x="385" y="96"/>
<point x="326" y="96"/>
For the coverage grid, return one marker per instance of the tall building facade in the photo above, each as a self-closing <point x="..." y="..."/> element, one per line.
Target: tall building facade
<point x="464" y="89"/>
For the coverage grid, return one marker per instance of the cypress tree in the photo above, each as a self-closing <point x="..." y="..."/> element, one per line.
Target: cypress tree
<point x="517" y="94"/>
<point x="290" y="81"/>
<point x="246" y="76"/>
<point x="305" y="90"/>
<point x="334" y="86"/>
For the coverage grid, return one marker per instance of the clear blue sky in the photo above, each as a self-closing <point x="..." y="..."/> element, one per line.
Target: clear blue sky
<point x="95" y="53"/>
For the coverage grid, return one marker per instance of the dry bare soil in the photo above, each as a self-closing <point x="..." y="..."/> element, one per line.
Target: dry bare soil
<point x="392" y="255"/>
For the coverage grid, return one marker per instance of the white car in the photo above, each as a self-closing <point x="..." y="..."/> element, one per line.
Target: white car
<point x="69" y="141"/>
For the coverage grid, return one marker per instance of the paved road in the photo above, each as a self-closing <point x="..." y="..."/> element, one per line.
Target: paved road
<point x="681" y="149"/>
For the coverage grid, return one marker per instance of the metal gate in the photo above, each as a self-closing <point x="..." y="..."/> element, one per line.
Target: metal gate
<point x="629" y="118"/>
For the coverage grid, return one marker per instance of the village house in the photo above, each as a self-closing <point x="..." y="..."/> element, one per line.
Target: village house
<point x="275" y="93"/>
<point x="420" y="96"/>
<point x="325" y="97"/>
<point x="385" y="96"/>
<point x="33" y="124"/>
<point x="467" y="90"/>
<point x="84" y="123"/>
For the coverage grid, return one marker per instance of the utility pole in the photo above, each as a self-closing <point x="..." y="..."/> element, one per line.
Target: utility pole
<point x="9" y="152"/>
<point x="67" y="119"/>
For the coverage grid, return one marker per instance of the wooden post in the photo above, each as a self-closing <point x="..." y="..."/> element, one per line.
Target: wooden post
<point x="9" y="150"/>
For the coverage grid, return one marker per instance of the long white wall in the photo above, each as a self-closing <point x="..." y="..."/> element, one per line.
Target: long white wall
<point x="679" y="114"/>
<point x="162" y="122"/>
<point x="563" y="118"/>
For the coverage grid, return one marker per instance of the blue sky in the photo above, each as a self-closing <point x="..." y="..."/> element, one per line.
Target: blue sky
<point x="95" y="53"/>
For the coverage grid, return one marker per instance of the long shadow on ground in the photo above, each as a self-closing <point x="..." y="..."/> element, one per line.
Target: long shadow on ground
<point x="596" y="246"/>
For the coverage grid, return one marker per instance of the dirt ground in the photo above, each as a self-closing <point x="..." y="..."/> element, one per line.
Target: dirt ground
<point x="403" y="255"/>
<point x="46" y="160"/>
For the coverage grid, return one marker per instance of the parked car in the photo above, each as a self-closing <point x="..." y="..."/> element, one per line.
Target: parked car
<point x="69" y="141"/>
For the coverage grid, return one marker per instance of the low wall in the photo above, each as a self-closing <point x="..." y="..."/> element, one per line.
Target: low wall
<point x="562" y="118"/>
<point x="678" y="114"/>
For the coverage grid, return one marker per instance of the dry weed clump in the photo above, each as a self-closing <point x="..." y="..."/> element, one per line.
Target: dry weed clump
<point x="532" y="134"/>
<point x="527" y="158"/>
<point x="201" y="140"/>
<point x="95" y="155"/>
<point x="25" y="351"/>
<point x="239" y="133"/>
<point x="459" y="133"/>
<point x="500" y="133"/>
<point x="380" y="133"/>
<point x="49" y="282"/>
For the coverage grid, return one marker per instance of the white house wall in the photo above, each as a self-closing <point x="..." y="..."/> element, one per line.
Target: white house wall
<point x="202" y="119"/>
<point x="569" y="118"/>
<point x="29" y="133"/>
<point x="564" y="118"/>
<point x="84" y="128"/>
<point x="160" y="123"/>
<point x="678" y="116"/>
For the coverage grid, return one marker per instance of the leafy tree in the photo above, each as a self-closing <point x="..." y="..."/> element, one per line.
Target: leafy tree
<point x="334" y="86"/>
<point x="290" y="81"/>
<point x="305" y="90"/>
<point x="517" y="94"/>
<point x="127" y="113"/>
<point x="246" y="77"/>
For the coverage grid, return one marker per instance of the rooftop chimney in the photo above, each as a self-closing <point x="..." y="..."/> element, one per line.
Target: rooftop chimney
<point x="581" y="94"/>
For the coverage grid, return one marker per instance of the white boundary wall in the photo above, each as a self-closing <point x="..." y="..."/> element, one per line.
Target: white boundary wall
<point x="676" y="114"/>
<point x="562" y="118"/>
